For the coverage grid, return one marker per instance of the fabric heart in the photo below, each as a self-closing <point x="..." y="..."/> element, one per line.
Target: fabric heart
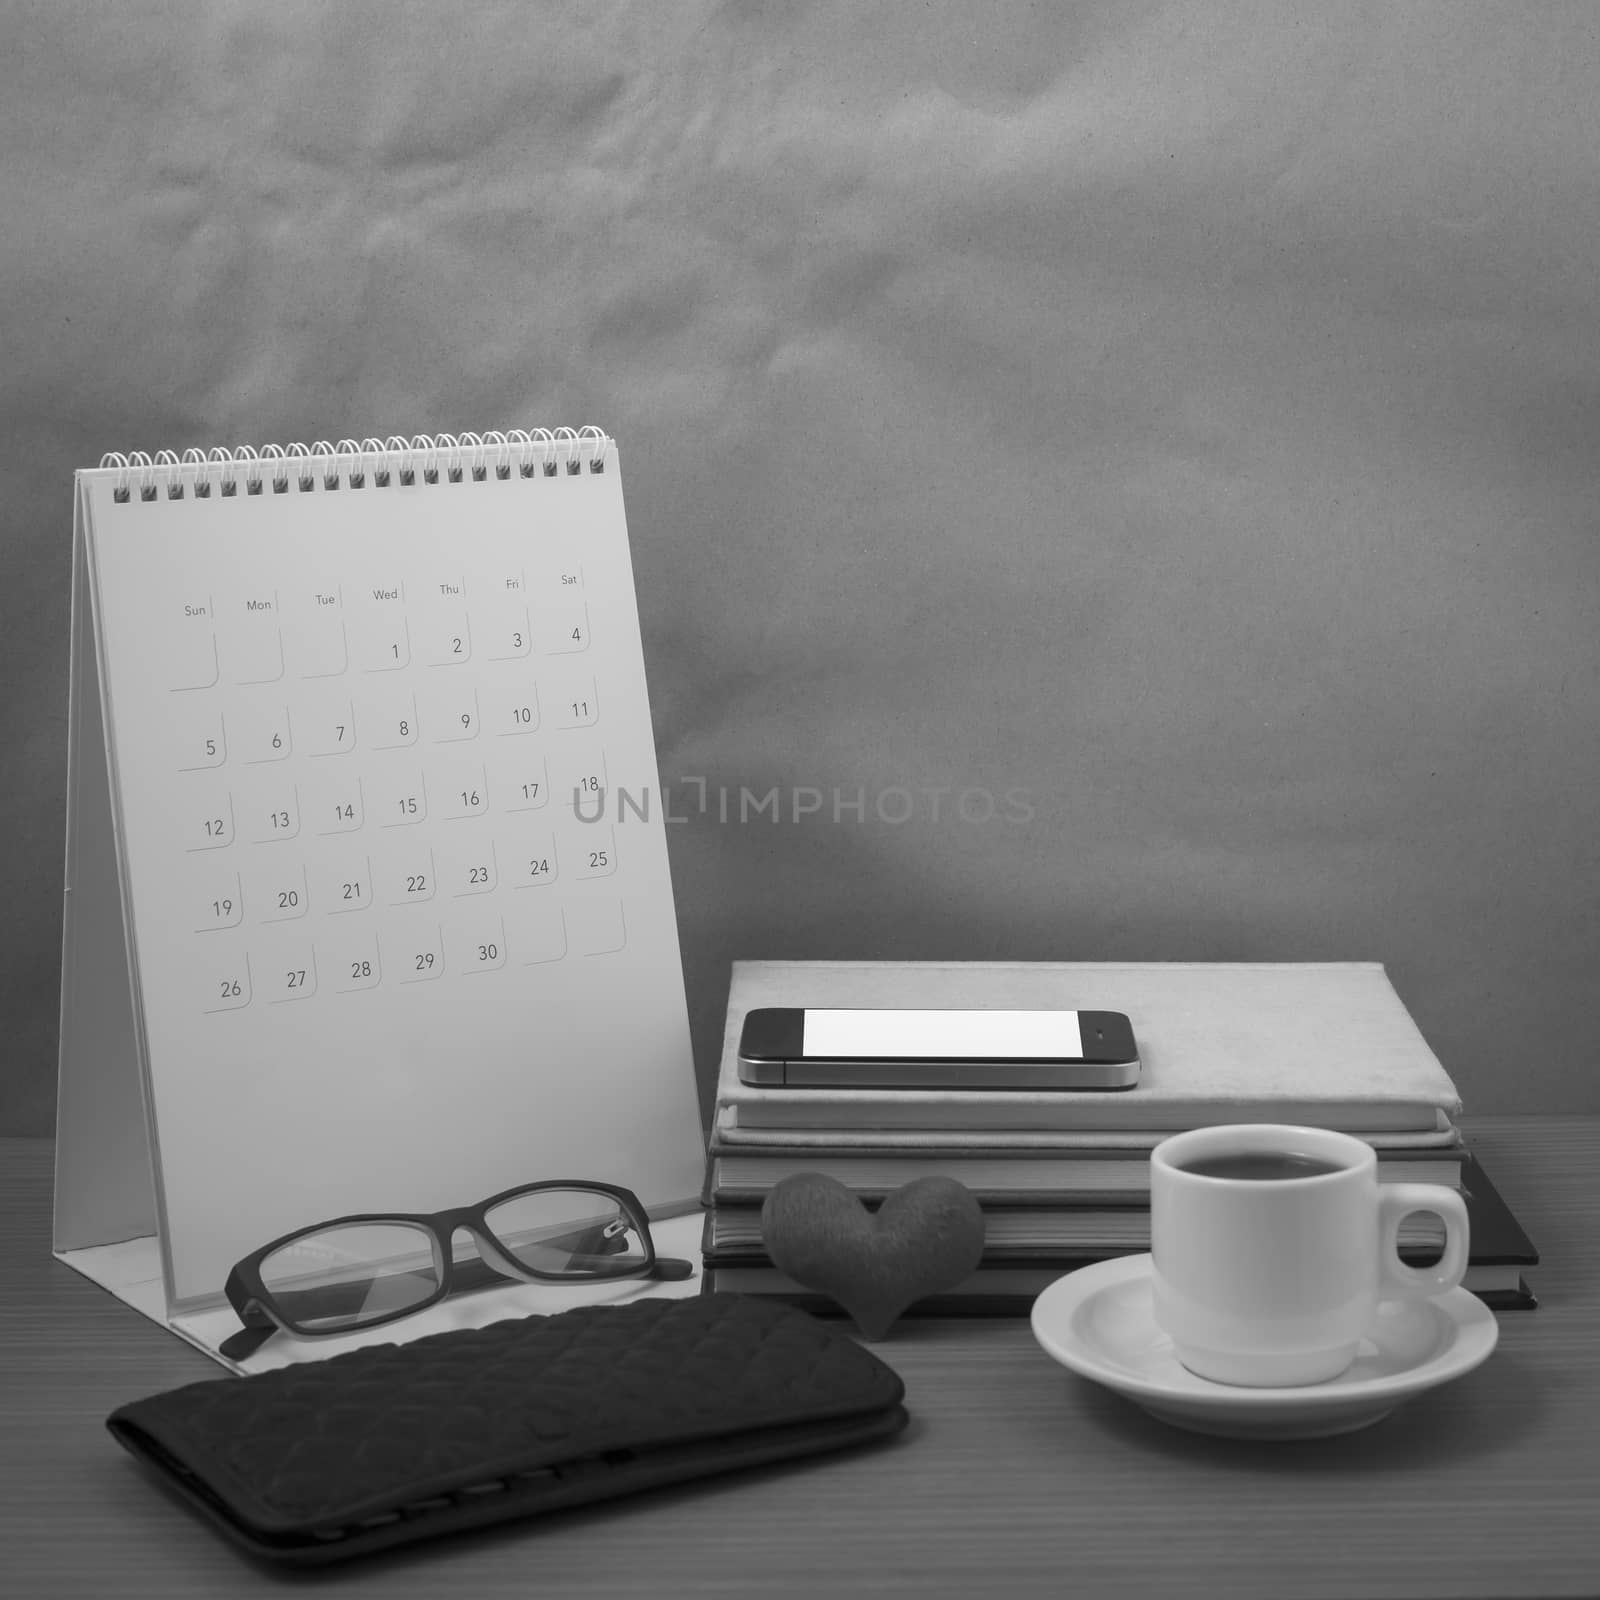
<point x="927" y="1236"/>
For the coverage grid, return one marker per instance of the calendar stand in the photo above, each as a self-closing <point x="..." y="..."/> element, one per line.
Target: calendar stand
<point x="105" y="1203"/>
<point x="504" y="1005"/>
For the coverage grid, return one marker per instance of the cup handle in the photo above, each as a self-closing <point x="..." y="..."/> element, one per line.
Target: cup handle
<point x="1396" y="1202"/>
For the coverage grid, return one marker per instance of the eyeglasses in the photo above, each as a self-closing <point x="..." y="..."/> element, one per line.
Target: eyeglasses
<point x="363" y="1271"/>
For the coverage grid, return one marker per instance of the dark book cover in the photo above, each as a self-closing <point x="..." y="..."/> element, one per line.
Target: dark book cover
<point x="1497" y="1237"/>
<point x="1500" y="1249"/>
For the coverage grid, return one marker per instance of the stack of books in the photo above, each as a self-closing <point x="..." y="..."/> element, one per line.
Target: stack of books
<point x="1063" y="1176"/>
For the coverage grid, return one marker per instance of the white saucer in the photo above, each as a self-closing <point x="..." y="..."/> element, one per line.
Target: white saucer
<point x="1099" y="1322"/>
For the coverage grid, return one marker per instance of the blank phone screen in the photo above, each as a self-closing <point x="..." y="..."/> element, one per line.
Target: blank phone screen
<point x="944" y="1035"/>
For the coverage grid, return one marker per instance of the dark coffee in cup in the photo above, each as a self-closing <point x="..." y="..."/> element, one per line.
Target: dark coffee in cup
<point x="1259" y="1166"/>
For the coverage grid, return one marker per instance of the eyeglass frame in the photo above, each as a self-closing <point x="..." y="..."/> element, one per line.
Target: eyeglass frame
<point x="258" y="1311"/>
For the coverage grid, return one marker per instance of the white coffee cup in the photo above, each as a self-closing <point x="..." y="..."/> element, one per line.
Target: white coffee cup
<point x="1271" y="1281"/>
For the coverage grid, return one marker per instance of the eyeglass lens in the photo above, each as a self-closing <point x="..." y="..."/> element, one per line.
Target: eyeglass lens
<point x="580" y="1232"/>
<point x="343" y="1277"/>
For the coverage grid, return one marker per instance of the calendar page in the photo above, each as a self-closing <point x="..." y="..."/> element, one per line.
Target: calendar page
<point x="394" y="871"/>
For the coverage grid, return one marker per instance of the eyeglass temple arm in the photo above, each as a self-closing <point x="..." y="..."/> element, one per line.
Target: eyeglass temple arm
<point x="597" y="1241"/>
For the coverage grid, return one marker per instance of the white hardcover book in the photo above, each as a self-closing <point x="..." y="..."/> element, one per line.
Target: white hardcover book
<point x="747" y="1175"/>
<point x="1329" y="1044"/>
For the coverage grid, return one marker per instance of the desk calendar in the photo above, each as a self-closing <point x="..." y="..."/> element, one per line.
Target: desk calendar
<point x="368" y="902"/>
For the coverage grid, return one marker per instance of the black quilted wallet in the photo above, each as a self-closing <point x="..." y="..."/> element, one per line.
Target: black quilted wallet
<point x="331" y="1459"/>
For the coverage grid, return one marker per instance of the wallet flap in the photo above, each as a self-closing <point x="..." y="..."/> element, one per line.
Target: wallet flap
<point x="537" y="1409"/>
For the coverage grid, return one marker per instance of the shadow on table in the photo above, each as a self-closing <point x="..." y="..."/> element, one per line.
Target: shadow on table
<point x="1476" y="1417"/>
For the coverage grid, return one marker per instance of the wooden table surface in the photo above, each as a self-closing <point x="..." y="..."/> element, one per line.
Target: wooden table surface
<point x="1014" y="1478"/>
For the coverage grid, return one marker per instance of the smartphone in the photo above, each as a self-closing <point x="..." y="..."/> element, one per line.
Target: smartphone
<point x="783" y="1047"/>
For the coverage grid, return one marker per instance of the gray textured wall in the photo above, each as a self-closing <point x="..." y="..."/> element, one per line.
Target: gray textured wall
<point x="1184" y="415"/>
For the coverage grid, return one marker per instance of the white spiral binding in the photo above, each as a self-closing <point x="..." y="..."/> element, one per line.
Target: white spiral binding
<point x="426" y="458"/>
